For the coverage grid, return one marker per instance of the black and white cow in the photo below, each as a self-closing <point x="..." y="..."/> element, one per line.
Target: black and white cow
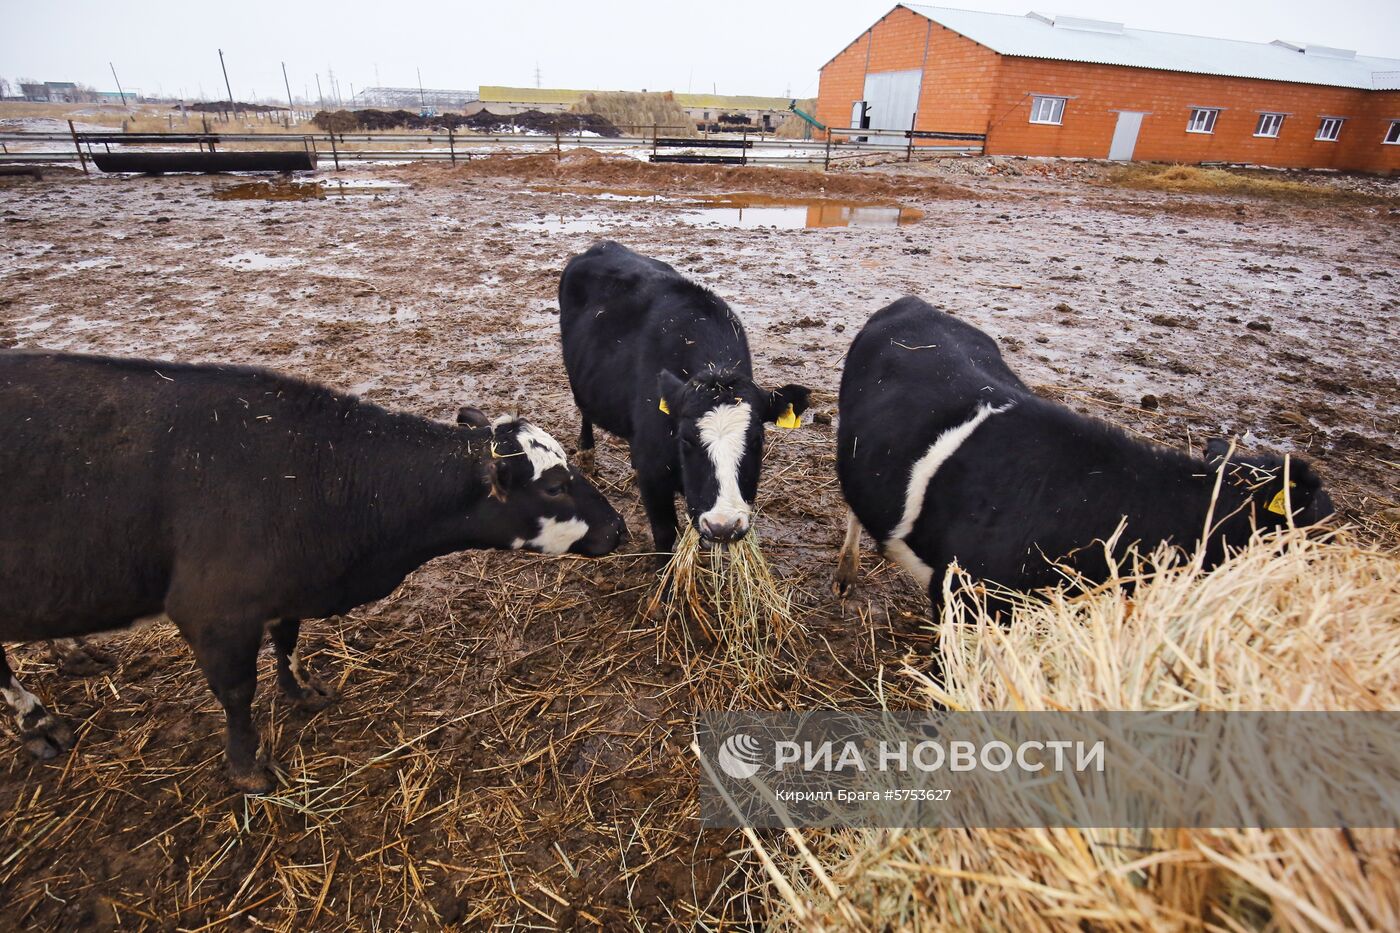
<point x="944" y="454"/>
<point x="239" y="501"/>
<point x="656" y="359"/>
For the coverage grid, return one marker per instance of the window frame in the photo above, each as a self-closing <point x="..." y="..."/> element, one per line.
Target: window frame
<point x="1058" y="112"/>
<point x="1336" y="132"/>
<point x="1191" y="122"/>
<point x="1392" y="130"/>
<point x="1264" y="116"/>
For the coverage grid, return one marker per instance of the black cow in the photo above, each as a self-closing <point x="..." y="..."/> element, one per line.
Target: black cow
<point x="658" y="360"/>
<point x="236" y="500"/>
<point x="944" y="454"/>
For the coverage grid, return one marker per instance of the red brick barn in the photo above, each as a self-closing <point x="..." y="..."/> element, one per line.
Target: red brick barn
<point x="1057" y="86"/>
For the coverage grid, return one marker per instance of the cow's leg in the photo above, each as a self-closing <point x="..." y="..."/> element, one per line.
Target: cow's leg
<point x="848" y="561"/>
<point x="41" y="733"/>
<point x="74" y="657"/>
<point x="659" y="500"/>
<point x="298" y="684"/>
<point x="585" y="458"/>
<point x="227" y="653"/>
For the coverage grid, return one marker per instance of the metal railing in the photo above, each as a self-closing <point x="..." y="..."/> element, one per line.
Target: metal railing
<point x="740" y="148"/>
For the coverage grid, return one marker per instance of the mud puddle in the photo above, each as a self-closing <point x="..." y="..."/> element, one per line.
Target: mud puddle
<point x="739" y="209"/>
<point x="281" y="189"/>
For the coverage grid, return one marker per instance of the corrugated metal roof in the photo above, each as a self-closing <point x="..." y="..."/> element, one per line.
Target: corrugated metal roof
<point x="1076" y="40"/>
<point x="732" y="101"/>
<point x="527" y="95"/>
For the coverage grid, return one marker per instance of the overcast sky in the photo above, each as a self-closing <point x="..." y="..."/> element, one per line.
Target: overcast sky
<point x="732" y="46"/>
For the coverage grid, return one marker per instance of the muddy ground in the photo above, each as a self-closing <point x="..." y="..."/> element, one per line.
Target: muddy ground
<point x="509" y="746"/>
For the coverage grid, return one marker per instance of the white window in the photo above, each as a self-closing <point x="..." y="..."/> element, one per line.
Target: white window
<point x="1048" y="110"/>
<point x="1329" y="129"/>
<point x="1269" y="125"/>
<point x="1202" y="120"/>
<point x="1392" y="135"/>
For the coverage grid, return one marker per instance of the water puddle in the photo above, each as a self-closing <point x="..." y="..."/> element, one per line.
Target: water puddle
<point x="281" y="189"/>
<point x="739" y="209"/>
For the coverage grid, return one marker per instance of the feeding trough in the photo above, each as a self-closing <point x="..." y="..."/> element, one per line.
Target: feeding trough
<point x="206" y="158"/>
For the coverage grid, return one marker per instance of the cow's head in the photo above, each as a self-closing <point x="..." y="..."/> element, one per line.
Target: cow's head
<point x="1260" y="480"/>
<point x="717" y="421"/>
<point x="537" y="501"/>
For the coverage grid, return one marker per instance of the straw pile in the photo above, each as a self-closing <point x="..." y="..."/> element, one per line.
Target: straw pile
<point x="633" y="112"/>
<point x="1288" y="624"/>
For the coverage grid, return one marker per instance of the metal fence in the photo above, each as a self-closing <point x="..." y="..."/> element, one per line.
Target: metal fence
<point x="741" y="148"/>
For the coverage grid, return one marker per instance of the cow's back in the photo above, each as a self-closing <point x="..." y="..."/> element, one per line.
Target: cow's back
<point x="120" y="473"/>
<point x="911" y="373"/>
<point x="624" y="317"/>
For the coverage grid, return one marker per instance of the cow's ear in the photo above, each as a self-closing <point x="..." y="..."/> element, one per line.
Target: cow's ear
<point x="1216" y="449"/>
<point x="668" y="391"/>
<point x="472" y="417"/>
<point x="490" y="474"/>
<point x="1304" y="491"/>
<point x="786" y="405"/>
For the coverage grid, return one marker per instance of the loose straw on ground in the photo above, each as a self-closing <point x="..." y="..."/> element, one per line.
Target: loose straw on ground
<point x="1292" y="622"/>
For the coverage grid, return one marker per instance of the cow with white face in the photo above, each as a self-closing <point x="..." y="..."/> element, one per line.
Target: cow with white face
<point x="658" y="360"/>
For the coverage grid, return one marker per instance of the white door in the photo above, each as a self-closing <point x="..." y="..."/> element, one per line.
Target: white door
<point x="893" y="96"/>
<point x="1125" y="136"/>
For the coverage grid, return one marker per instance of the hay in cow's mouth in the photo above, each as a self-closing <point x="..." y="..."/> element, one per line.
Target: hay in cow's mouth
<point x="723" y="606"/>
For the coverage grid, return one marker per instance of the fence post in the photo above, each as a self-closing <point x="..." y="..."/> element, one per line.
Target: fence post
<point x="78" y="146"/>
<point x="909" y="152"/>
<point x="451" y="146"/>
<point x="653" y="142"/>
<point x="826" y="165"/>
<point x="558" y="153"/>
<point x="335" y="153"/>
<point x="744" y="148"/>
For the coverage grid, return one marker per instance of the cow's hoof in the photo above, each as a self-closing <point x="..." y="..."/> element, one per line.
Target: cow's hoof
<point x="843" y="584"/>
<point x="255" y="780"/>
<point x="312" y="695"/>
<point x="84" y="662"/>
<point x="48" y="738"/>
<point x="587" y="460"/>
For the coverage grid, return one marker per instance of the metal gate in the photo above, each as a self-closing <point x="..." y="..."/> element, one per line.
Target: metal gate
<point x="892" y="98"/>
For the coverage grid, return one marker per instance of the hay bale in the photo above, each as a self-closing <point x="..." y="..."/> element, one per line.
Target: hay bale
<point x="633" y="112"/>
<point x="1290" y="623"/>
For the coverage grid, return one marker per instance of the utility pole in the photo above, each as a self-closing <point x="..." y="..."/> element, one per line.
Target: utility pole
<point x="422" y="100"/>
<point x="119" y="82"/>
<point x="290" y="105"/>
<point x="228" y="87"/>
<point x="537" y="75"/>
<point x="318" y="91"/>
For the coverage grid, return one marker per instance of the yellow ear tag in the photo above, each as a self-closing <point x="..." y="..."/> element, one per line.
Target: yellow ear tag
<point x="1277" y="505"/>
<point x="665" y="409"/>
<point x="788" y="420"/>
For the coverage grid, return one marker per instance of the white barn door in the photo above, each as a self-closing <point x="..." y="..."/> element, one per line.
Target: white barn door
<point x="1125" y="135"/>
<point x="893" y="97"/>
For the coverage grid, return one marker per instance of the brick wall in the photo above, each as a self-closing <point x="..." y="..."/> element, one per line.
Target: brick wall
<point x="970" y="89"/>
<point x="1096" y="92"/>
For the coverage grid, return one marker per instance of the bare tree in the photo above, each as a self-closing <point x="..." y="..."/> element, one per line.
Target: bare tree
<point x="4" y="88"/>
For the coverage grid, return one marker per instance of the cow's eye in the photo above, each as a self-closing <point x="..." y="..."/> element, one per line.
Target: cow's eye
<point x="555" y="488"/>
<point x="688" y="443"/>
